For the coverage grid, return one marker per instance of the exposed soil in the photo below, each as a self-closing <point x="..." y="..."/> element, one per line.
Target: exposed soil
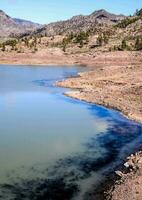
<point x="114" y="85"/>
<point x="129" y="187"/>
<point x="42" y="57"/>
<point x="57" y="56"/>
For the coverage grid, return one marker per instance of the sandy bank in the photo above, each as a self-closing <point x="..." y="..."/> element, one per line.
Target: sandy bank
<point x="58" y="57"/>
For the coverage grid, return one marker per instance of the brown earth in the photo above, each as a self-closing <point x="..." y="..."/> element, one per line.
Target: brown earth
<point x="129" y="187"/>
<point x="43" y="57"/>
<point x="115" y="82"/>
<point x="57" y="56"/>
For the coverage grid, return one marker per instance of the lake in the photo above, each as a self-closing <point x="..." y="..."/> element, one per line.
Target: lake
<point x="51" y="146"/>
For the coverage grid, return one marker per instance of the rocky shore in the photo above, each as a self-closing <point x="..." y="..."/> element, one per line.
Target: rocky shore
<point x="115" y="81"/>
<point x="129" y="185"/>
<point x="125" y="184"/>
<point x="116" y="84"/>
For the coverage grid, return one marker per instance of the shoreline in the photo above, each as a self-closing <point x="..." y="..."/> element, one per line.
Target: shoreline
<point x="57" y="57"/>
<point x="115" y="87"/>
<point x="128" y="178"/>
<point x="69" y="94"/>
<point x="126" y="183"/>
<point x="102" y="63"/>
<point x="109" y="84"/>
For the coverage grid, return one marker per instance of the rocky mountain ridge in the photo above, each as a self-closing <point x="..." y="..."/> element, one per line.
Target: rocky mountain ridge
<point x="11" y="26"/>
<point x="99" y="31"/>
<point x="80" y="23"/>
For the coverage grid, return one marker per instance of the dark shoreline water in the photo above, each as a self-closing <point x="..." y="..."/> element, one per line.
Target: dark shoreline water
<point x="66" y="147"/>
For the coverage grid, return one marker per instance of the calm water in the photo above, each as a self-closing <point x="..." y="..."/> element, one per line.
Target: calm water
<point x="51" y="146"/>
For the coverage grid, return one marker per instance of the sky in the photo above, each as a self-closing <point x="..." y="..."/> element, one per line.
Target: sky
<point x="46" y="11"/>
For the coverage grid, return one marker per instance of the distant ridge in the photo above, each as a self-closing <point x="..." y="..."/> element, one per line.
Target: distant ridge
<point x="80" y="23"/>
<point x="26" y="23"/>
<point x="12" y="26"/>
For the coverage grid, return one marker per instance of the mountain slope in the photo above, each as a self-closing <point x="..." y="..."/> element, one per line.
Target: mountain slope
<point x="80" y="23"/>
<point x="10" y="27"/>
<point x="25" y="23"/>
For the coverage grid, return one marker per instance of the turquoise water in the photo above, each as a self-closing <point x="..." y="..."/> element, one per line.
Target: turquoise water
<point x="52" y="146"/>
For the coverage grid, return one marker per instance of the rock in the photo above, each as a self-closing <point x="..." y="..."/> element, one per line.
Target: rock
<point x="119" y="173"/>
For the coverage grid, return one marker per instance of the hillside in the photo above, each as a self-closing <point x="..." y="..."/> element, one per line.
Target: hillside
<point x="11" y="27"/>
<point x="79" y="23"/>
<point x="99" y="31"/>
<point x="27" y="24"/>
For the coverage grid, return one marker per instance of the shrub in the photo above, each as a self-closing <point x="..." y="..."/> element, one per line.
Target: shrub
<point x="81" y="38"/>
<point x="65" y="43"/>
<point x="124" y="44"/>
<point x="139" y="12"/>
<point x="125" y="22"/>
<point x="11" y="43"/>
<point x="26" y="42"/>
<point x="102" y="39"/>
<point x="3" y="47"/>
<point x="138" y="44"/>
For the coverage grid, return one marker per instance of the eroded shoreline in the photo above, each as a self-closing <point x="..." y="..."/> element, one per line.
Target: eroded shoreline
<point x="113" y="82"/>
<point x="118" y="87"/>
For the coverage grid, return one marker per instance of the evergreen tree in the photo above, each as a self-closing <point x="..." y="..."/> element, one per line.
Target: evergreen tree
<point x="105" y="38"/>
<point x="124" y="44"/>
<point x="138" y="44"/>
<point x="139" y="12"/>
<point x="64" y="44"/>
<point x="3" y="47"/>
<point x="100" y="40"/>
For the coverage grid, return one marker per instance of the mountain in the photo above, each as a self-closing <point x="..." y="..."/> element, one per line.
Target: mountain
<point x="79" y="23"/>
<point x="26" y="23"/>
<point x="99" y="31"/>
<point x="11" y="26"/>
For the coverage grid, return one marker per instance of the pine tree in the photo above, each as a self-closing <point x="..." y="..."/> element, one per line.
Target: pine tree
<point x="99" y="40"/>
<point x="138" y="44"/>
<point x="124" y="44"/>
<point x="3" y="47"/>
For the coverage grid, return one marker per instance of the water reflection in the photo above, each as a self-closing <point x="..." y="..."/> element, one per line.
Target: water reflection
<point x="51" y="146"/>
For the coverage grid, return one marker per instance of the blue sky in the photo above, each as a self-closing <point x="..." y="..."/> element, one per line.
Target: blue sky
<point x="46" y="11"/>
